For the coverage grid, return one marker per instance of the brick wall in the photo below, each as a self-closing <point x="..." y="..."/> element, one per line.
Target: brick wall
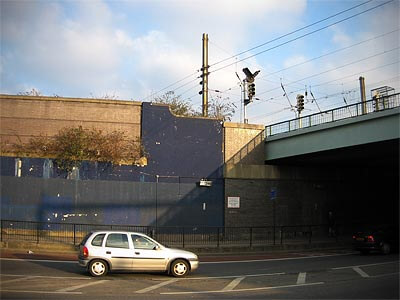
<point x="24" y="117"/>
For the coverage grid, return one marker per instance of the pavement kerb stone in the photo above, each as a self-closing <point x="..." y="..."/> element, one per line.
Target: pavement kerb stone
<point x="59" y="248"/>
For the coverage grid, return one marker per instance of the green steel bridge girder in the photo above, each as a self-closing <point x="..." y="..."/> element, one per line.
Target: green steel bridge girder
<point x="361" y="130"/>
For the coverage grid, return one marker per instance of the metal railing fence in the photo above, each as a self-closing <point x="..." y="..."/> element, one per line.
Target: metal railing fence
<point x="185" y="237"/>
<point x="340" y="113"/>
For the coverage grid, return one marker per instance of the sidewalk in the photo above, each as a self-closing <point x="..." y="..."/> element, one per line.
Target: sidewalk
<point x="67" y="252"/>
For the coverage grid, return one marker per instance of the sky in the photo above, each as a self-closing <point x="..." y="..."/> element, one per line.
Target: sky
<point x="138" y="50"/>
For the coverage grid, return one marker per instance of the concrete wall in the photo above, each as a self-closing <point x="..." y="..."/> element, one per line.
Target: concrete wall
<point x="237" y="136"/>
<point x="109" y="202"/>
<point x="180" y="151"/>
<point x="305" y="195"/>
<point x="24" y="117"/>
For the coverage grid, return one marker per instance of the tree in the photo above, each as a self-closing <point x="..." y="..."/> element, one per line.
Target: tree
<point x="72" y="145"/>
<point x="178" y="106"/>
<point x="218" y="108"/>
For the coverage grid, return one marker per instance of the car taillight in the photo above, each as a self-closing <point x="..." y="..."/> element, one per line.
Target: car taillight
<point x="370" y="238"/>
<point x="85" y="252"/>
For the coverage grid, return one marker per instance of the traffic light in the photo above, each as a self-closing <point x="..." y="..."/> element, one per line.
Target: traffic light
<point x="251" y="90"/>
<point x="300" y="103"/>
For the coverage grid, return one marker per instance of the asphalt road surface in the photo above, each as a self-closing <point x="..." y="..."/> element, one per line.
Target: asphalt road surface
<point x="335" y="276"/>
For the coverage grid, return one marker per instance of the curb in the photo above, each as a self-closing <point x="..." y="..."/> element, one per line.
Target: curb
<point x="24" y="246"/>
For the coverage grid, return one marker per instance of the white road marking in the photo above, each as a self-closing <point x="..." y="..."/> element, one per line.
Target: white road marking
<point x="360" y="272"/>
<point x="301" y="279"/>
<point x="44" y="260"/>
<point x="76" y="287"/>
<point x="234" y="283"/>
<point x="383" y="275"/>
<point x="40" y="292"/>
<point x="244" y="290"/>
<point x="16" y="279"/>
<point x="272" y="259"/>
<point x="43" y="276"/>
<point x="232" y="276"/>
<point x="156" y="286"/>
<point x="367" y="265"/>
<point x="203" y="263"/>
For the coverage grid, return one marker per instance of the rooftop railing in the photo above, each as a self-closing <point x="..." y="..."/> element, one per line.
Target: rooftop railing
<point x="336" y="114"/>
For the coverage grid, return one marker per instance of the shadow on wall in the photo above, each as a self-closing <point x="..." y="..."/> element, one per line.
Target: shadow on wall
<point x="111" y="202"/>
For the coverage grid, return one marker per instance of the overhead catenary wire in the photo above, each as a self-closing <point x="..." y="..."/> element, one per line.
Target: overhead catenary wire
<point x="330" y="53"/>
<point x="305" y="27"/>
<point x="334" y="69"/>
<point x="302" y="36"/>
<point x="290" y="33"/>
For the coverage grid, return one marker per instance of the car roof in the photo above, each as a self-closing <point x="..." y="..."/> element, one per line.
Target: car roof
<point x="117" y="231"/>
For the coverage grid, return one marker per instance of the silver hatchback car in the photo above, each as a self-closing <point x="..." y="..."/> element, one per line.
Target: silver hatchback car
<point x="103" y="251"/>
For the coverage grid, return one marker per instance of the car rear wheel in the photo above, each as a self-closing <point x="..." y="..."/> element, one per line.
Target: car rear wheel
<point x="179" y="268"/>
<point x="385" y="248"/>
<point x="98" y="268"/>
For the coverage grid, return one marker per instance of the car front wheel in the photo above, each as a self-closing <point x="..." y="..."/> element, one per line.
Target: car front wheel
<point x="98" y="268"/>
<point x="179" y="268"/>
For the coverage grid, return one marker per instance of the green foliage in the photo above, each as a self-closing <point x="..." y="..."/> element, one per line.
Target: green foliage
<point x="72" y="145"/>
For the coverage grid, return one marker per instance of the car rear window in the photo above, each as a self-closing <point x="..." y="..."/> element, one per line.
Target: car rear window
<point x="83" y="242"/>
<point x="98" y="239"/>
<point x="117" y="240"/>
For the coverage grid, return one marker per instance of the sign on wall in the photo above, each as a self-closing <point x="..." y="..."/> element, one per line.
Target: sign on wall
<point x="233" y="202"/>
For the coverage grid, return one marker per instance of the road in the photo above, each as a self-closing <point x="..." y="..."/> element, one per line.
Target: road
<point x="337" y="276"/>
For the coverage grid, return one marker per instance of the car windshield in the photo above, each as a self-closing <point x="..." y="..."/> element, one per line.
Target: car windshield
<point x="142" y="242"/>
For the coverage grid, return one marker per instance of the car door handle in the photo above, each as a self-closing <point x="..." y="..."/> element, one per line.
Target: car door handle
<point x="137" y="253"/>
<point x="108" y="252"/>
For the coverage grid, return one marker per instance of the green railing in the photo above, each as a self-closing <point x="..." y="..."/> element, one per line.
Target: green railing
<point x="336" y="114"/>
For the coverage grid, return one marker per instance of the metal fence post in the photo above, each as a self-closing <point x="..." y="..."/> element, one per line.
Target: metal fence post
<point x="309" y="239"/>
<point x="1" y="230"/>
<point x="183" y="237"/>
<point x="74" y="234"/>
<point x="281" y="232"/>
<point x="37" y="232"/>
<point x="251" y="237"/>
<point x="217" y="237"/>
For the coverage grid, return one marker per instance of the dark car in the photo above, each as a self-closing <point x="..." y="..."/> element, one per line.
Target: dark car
<point x="384" y="239"/>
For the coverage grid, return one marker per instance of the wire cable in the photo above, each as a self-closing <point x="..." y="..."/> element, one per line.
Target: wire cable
<point x="290" y="33"/>
<point x="304" y="35"/>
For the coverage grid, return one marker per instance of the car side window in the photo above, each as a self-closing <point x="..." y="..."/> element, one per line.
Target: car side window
<point x="117" y="240"/>
<point x="98" y="240"/>
<point x="141" y="242"/>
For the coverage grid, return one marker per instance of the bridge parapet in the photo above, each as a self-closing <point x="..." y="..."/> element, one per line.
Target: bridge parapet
<point x="344" y="112"/>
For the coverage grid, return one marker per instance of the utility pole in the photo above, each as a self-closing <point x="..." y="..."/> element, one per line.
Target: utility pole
<point x="204" y="75"/>
<point x="363" y="96"/>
